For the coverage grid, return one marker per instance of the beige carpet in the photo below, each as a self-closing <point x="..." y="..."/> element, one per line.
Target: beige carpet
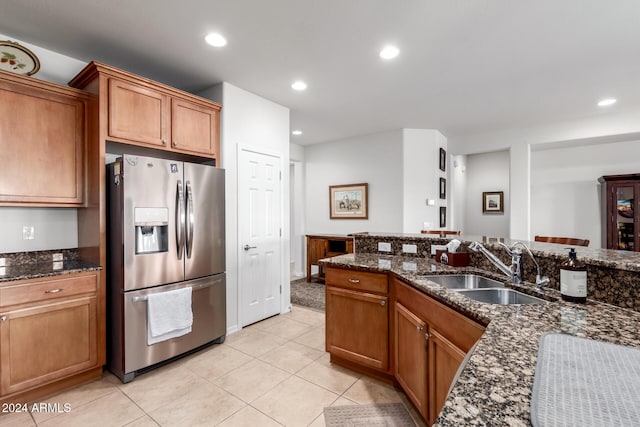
<point x="384" y="414"/>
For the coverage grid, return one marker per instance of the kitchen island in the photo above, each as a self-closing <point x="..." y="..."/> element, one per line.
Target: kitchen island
<point x="494" y="386"/>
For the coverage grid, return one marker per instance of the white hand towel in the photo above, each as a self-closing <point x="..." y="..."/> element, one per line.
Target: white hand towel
<point x="169" y="315"/>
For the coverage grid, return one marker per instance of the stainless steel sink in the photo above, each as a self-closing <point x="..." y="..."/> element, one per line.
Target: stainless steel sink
<point x="464" y="281"/>
<point x="500" y="296"/>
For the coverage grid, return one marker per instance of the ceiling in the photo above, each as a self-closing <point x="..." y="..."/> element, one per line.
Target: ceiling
<point x="465" y="66"/>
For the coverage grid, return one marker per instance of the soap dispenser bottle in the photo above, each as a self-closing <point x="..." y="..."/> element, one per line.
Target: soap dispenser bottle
<point x="573" y="279"/>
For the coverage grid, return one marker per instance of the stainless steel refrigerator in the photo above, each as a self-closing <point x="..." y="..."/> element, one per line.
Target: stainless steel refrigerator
<point x="165" y="232"/>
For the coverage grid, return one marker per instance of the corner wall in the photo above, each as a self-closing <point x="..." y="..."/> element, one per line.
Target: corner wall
<point x="375" y="159"/>
<point x="249" y="120"/>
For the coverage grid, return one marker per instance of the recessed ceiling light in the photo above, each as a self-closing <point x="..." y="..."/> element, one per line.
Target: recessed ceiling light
<point x="389" y="52"/>
<point x="607" y="102"/>
<point x="215" y="39"/>
<point x="297" y="132"/>
<point x="299" y="85"/>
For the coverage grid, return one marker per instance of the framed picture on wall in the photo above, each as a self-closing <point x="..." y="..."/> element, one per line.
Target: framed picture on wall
<point x="443" y="216"/>
<point x="493" y="202"/>
<point x="443" y="159"/>
<point x="443" y="188"/>
<point x="348" y="201"/>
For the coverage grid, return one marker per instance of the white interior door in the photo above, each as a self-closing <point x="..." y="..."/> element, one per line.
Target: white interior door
<point x="259" y="235"/>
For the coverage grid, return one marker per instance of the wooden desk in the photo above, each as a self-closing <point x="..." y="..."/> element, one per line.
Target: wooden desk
<point x="321" y="246"/>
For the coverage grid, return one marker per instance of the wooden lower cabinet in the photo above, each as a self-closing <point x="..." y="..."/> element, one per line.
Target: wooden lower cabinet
<point x="357" y="327"/>
<point x="431" y="341"/>
<point x="444" y="359"/>
<point x="417" y="340"/>
<point x="49" y="340"/>
<point x="411" y="356"/>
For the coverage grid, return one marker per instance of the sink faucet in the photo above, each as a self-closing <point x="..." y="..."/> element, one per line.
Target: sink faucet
<point x="514" y="272"/>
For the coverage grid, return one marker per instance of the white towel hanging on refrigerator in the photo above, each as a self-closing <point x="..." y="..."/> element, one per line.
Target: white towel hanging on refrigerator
<point x="169" y="315"/>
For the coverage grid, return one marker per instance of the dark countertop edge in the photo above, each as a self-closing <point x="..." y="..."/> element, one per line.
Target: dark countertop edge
<point x="77" y="269"/>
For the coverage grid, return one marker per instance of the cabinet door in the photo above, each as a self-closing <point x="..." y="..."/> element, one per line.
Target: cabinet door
<point x="44" y="343"/>
<point x="358" y="327"/>
<point x="625" y="216"/>
<point x="138" y="114"/>
<point x="42" y="137"/>
<point x="194" y="128"/>
<point x="444" y="360"/>
<point x="411" y="356"/>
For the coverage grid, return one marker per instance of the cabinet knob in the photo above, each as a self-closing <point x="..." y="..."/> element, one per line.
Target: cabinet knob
<point x="383" y="303"/>
<point x="419" y="328"/>
<point x="355" y="281"/>
<point x="3" y="318"/>
<point x="164" y="142"/>
<point x="426" y="337"/>
<point x="175" y="143"/>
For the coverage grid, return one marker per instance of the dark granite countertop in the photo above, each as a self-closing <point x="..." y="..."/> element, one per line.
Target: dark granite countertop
<point x="32" y="265"/>
<point x="621" y="260"/>
<point x="495" y="386"/>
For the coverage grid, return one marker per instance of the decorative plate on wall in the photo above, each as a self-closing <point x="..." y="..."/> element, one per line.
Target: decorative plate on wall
<point x="18" y="59"/>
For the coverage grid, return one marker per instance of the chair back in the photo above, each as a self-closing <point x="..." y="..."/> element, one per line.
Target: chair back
<point x="441" y="232"/>
<point x="562" y="240"/>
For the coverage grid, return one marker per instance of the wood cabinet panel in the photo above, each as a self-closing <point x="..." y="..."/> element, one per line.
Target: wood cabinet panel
<point x="411" y="356"/>
<point x="444" y="360"/>
<point x="358" y="280"/>
<point x="46" y="289"/>
<point x="44" y="343"/>
<point x="138" y="113"/>
<point x="459" y="329"/>
<point x="42" y="140"/>
<point x="194" y="128"/>
<point x="357" y="327"/>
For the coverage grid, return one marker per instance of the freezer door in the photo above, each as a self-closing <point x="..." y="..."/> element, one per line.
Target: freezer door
<point x="204" y="234"/>
<point x="153" y="205"/>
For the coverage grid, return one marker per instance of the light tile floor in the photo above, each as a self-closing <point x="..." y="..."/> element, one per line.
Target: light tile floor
<point x="272" y="373"/>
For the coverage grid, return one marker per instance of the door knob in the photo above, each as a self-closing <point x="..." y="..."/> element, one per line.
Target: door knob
<point x="247" y="247"/>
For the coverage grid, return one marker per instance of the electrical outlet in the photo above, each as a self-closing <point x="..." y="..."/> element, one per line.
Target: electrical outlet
<point x="57" y="257"/>
<point x="57" y="265"/>
<point x="28" y="232"/>
<point x="409" y="266"/>
<point x="384" y="263"/>
<point x="3" y="262"/>
<point x="384" y="247"/>
<point x="427" y="226"/>
<point x="410" y="249"/>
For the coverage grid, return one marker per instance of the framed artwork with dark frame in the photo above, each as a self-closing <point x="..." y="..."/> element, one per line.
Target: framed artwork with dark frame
<point x="443" y="216"/>
<point x="443" y="159"/>
<point x="493" y="202"/>
<point x="443" y="188"/>
<point x="348" y="201"/>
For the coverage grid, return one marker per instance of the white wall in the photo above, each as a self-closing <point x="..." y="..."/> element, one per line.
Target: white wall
<point x="604" y="126"/>
<point x="565" y="193"/>
<point x="375" y="159"/>
<point x="421" y="179"/>
<point x="248" y="120"/>
<point x="297" y="209"/>
<point x="55" y="228"/>
<point x="486" y="172"/>
<point x="457" y="191"/>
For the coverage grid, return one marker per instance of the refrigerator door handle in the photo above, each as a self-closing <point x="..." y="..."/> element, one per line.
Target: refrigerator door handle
<point x="180" y="219"/>
<point x="190" y="218"/>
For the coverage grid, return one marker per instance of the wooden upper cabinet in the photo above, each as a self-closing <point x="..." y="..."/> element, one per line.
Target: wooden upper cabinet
<point x="42" y="142"/>
<point x="194" y="127"/>
<point x="138" y="111"/>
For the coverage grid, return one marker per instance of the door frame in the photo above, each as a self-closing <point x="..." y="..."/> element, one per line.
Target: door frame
<point x="285" y="306"/>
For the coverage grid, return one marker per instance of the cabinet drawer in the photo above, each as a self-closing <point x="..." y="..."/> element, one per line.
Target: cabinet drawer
<point x="357" y="280"/>
<point x="47" y="289"/>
